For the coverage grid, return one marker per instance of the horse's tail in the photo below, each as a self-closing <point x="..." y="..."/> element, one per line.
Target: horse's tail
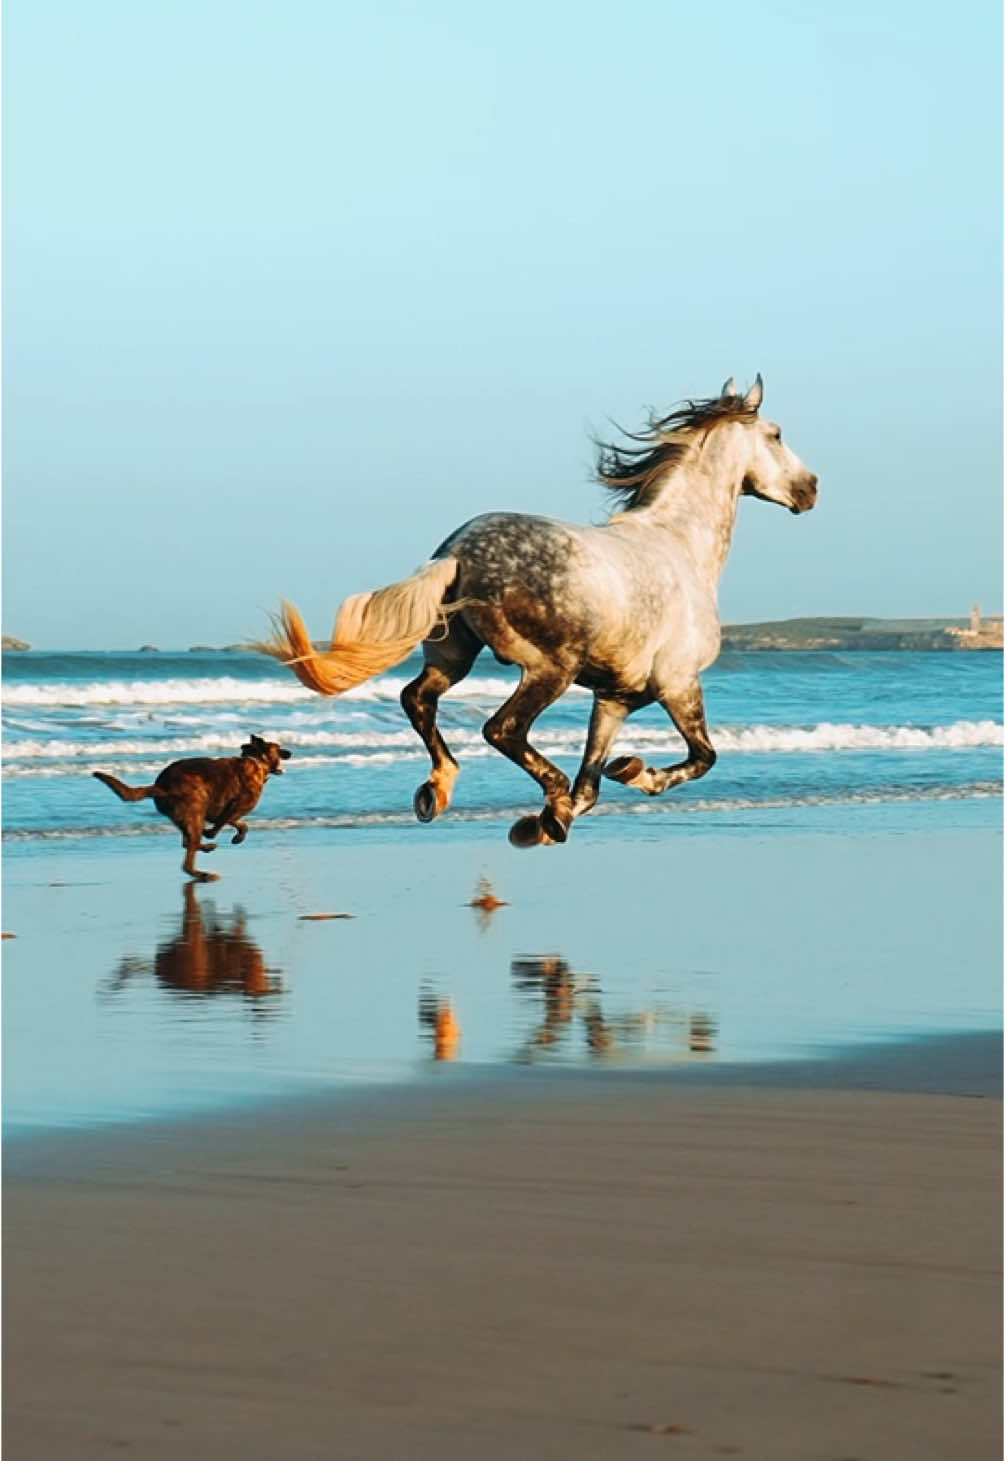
<point x="124" y="792"/>
<point x="373" y="631"/>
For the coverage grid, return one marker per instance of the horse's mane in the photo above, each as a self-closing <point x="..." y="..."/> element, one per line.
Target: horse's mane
<point x="631" y="471"/>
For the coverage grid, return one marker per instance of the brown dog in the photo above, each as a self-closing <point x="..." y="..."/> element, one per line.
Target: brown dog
<point x="201" y="795"/>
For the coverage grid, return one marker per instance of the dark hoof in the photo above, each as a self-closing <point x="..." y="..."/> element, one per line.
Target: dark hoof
<point x="527" y="832"/>
<point x="202" y="877"/>
<point x="425" y="803"/>
<point x="207" y="846"/>
<point x="237" y="838"/>
<point x="624" y="768"/>
<point x="552" y="825"/>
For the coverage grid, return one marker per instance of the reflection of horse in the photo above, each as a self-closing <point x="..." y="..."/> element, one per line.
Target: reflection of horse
<point x="627" y="609"/>
<point x="208" y="956"/>
<point x="436" y="1015"/>
<point x="564" y="995"/>
<point x="567" y="995"/>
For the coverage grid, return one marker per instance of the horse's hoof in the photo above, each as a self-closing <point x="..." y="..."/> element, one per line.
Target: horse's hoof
<point x="625" y="769"/>
<point x="528" y="832"/>
<point x="202" y="877"/>
<point x="207" y="846"/>
<point x="426" y="803"/>
<point x="553" y="827"/>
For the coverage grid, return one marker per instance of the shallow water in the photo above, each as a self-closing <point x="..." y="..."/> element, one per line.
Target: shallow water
<point x="835" y="879"/>
<point x="791" y="730"/>
<point x="759" y="936"/>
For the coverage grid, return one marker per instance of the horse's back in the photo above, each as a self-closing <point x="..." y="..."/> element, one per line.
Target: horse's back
<point x="598" y="599"/>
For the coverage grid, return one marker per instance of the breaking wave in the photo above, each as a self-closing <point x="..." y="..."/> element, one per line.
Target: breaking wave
<point x="226" y="690"/>
<point x="32" y="756"/>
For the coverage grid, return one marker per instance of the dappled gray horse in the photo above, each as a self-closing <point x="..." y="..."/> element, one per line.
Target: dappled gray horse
<point x="628" y="609"/>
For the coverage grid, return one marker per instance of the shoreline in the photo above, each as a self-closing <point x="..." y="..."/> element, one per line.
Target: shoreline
<point x="963" y="1064"/>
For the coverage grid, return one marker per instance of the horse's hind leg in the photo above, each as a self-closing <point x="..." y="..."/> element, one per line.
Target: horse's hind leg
<point x="447" y="660"/>
<point x="686" y="709"/>
<point x="507" y="731"/>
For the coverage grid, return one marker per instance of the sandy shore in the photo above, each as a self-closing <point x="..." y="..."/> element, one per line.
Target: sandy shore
<point x="556" y="1267"/>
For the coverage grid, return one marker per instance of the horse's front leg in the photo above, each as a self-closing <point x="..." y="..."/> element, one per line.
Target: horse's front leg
<point x="507" y="732"/>
<point x="447" y="661"/>
<point x="606" y="720"/>
<point x="686" y="709"/>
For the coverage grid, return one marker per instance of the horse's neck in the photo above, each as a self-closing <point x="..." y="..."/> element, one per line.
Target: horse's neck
<point x="697" y="501"/>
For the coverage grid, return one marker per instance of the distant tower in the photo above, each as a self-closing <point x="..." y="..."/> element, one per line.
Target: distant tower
<point x="975" y="619"/>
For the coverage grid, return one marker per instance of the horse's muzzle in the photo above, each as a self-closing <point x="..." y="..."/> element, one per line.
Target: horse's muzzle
<point x="804" y="496"/>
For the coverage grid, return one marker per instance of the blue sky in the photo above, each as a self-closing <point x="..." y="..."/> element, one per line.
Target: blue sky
<point x="291" y="291"/>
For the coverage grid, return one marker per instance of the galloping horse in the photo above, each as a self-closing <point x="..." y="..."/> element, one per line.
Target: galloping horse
<point x="627" y="609"/>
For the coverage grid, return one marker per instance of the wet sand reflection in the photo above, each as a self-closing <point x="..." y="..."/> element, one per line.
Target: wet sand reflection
<point x="572" y="1001"/>
<point x="210" y="955"/>
<point x="438" y="1021"/>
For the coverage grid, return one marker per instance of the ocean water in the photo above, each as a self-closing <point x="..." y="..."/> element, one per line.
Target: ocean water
<point x="791" y="729"/>
<point x="835" y="880"/>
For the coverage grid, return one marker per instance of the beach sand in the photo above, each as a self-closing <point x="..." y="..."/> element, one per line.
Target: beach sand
<point x="795" y="1260"/>
<point x="556" y="1268"/>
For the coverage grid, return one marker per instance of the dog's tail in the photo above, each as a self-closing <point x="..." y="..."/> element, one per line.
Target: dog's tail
<point x="128" y="793"/>
<point x="373" y="631"/>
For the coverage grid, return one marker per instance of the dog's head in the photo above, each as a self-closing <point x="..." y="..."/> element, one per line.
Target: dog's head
<point x="267" y="751"/>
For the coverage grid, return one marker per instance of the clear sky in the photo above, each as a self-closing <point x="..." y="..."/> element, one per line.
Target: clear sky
<point x="291" y="290"/>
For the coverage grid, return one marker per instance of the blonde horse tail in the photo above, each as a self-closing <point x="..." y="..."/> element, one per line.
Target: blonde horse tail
<point x="373" y="631"/>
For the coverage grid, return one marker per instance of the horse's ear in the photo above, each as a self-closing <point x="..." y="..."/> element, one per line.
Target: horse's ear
<point x="729" y="388"/>
<point x="755" y="395"/>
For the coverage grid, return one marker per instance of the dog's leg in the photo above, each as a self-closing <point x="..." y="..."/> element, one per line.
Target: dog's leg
<point x="192" y="841"/>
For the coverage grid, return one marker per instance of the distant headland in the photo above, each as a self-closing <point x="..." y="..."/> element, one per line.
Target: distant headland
<point x="976" y="632"/>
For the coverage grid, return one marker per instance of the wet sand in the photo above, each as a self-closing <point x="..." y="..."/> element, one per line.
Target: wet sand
<point x="696" y="1257"/>
<point x="557" y="1266"/>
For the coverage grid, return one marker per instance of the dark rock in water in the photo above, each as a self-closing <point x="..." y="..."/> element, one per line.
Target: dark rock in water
<point x="9" y="642"/>
<point x="202" y="649"/>
<point x="148" y="649"/>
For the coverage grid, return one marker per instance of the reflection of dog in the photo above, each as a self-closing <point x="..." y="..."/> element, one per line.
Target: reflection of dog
<point x="202" y="795"/>
<point x="212" y="956"/>
<point x="209" y="955"/>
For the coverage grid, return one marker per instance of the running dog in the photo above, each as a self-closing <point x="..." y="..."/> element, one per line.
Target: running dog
<point x="201" y="795"/>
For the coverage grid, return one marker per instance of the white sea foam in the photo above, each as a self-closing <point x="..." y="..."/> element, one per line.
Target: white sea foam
<point x="358" y="746"/>
<point x="976" y="790"/>
<point x="226" y="690"/>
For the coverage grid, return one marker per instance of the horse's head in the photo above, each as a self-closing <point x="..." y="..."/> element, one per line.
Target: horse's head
<point x="771" y="470"/>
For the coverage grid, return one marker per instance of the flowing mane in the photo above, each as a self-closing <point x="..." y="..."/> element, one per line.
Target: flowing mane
<point x="633" y="471"/>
